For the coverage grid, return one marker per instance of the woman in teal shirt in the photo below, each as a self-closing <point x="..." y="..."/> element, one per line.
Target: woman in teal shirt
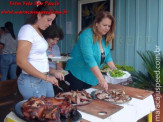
<point x="90" y="52"/>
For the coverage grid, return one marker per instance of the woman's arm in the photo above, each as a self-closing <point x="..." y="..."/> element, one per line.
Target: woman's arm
<point x="111" y="65"/>
<point x="23" y="50"/>
<point x="59" y="66"/>
<point x="102" y="82"/>
<point x="58" y="74"/>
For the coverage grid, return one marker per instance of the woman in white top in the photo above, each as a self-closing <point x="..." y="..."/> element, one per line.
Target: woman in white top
<point x="32" y="57"/>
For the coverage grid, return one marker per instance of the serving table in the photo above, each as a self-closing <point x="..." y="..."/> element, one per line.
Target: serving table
<point x="132" y="110"/>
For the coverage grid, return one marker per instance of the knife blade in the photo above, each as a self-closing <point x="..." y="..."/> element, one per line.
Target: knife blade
<point x="60" y="88"/>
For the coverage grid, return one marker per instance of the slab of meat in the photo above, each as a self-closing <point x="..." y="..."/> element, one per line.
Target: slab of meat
<point x="52" y="113"/>
<point x="65" y="106"/>
<point x="33" y="108"/>
<point x="116" y="96"/>
<point x="75" y="97"/>
<point x="46" y="109"/>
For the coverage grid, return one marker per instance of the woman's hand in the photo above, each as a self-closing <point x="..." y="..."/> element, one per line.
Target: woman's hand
<point x="103" y="83"/>
<point x="52" y="80"/>
<point x="59" y="75"/>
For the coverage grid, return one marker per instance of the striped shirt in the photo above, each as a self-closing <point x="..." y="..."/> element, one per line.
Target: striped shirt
<point x="10" y="44"/>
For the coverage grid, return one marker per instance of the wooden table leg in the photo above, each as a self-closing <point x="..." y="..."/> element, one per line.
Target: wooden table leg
<point x="150" y="117"/>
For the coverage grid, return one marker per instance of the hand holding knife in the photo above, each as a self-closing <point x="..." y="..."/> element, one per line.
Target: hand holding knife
<point x="66" y="82"/>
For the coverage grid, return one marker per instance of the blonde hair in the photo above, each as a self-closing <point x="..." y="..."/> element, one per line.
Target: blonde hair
<point x="110" y="35"/>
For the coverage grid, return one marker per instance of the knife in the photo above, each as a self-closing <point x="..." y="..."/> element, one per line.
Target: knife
<point x="60" y="88"/>
<point x="66" y="82"/>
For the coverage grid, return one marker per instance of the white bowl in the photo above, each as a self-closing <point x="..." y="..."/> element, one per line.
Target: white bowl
<point x="116" y="80"/>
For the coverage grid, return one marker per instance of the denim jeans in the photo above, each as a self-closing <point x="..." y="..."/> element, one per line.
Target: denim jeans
<point x="30" y="86"/>
<point x="8" y="66"/>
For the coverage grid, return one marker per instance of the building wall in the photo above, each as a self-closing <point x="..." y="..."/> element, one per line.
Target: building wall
<point x="17" y="19"/>
<point x="139" y="28"/>
<point x="68" y="42"/>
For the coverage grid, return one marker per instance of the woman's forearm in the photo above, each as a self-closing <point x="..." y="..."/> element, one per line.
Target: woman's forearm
<point x="102" y="82"/>
<point x="111" y="65"/>
<point x="59" y="66"/>
<point x="52" y="71"/>
<point x="96" y="71"/>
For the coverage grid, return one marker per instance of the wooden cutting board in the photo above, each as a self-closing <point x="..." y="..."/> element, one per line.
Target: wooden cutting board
<point x="132" y="92"/>
<point x="100" y="108"/>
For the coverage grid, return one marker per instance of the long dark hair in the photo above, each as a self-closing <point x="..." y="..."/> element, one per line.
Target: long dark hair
<point x="41" y="8"/>
<point x="9" y="27"/>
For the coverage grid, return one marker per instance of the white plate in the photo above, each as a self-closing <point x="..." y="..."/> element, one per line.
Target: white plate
<point x="107" y="99"/>
<point x="59" y="58"/>
<point x="125" y="76"/>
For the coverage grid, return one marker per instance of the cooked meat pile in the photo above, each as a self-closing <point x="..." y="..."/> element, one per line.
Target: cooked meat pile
<point x="76" y="97"/>
<point x="116" y="96"/>
<point x="47" y="109"/>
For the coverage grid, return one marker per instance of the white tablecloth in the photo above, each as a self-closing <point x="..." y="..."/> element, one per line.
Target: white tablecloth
<point x="132" y="111"/>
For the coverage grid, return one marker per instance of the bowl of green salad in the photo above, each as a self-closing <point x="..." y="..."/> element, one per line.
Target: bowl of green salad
<point x="117" y="76"/>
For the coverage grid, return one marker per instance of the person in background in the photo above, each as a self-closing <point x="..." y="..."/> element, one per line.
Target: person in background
<point x="52" y="35"/>
<point x="8" y="53"/>
<point x="2" y="31"/>
<point x="34" y="80"/>
<point x="90" y="52"/>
